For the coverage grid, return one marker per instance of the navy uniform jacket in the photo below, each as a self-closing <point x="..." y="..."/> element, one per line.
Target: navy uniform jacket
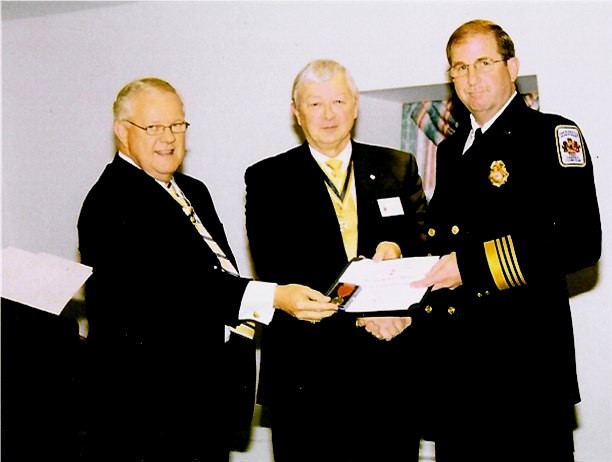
<point x="294" y="236"/>
<point x="521" y="212"/>
<point x="157" y="301"/>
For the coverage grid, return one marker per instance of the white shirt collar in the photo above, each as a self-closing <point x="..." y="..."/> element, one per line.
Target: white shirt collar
<point x="129" y="160"/>
<point x="344" y="156"/>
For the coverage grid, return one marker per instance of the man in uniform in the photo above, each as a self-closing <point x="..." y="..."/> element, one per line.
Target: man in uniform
<point x="513" y="212"/>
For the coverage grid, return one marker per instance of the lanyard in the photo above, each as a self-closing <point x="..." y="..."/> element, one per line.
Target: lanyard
<point x="329" y="183"/>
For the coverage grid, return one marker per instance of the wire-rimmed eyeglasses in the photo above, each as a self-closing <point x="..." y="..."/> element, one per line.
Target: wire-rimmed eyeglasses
<point x="481" y="66"/>
<point x="156" y="130"/>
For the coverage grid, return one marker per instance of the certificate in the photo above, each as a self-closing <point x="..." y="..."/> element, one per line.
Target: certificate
<point x="43" y="281"/>
<point x="371" y="288"/>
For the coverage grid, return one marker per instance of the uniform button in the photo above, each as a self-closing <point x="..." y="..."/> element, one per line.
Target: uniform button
<point x="479" y="295"/>
<point x="451" y="310"/>
<point x="431" y="232"/>
<point x="428" y="309"/>
<point x="256" y="315"/>
<point x="455" y="229"/>
<point x="487" y="292"/>
<point x="215" y="267"/>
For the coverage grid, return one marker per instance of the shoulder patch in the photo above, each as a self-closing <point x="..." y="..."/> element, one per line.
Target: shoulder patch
<point x="570" y="147"/>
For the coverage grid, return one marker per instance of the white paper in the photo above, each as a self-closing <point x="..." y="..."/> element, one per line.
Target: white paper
<point x="42" y="280"/>
<point x="385" y="285"/>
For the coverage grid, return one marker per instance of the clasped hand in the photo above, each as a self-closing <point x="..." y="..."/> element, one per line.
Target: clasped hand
<point x="385" y="328"/>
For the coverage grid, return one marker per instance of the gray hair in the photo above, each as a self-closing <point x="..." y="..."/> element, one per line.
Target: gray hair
<point x="321" y="70"/>
<point x="122" y="106"/>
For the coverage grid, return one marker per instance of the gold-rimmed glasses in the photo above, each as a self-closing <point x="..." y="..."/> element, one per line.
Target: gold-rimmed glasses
<point x="158" y="129"/>
<point x="481" y="66"/>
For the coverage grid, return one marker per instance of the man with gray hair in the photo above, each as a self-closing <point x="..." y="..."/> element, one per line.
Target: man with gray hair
<point x="337" y="390"/>
<point x="164" y="386"/>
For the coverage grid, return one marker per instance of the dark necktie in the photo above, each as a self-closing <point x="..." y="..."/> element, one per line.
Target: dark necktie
<point x="477" y="138"/>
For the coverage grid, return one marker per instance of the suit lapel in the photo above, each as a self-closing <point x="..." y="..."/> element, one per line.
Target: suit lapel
<point x="363" y="171"/>
<point x="309" y="184"/>
<point x="367" y="176"/>
<point x="310" y="179"/>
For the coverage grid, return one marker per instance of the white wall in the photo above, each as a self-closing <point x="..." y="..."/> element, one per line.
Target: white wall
<point x="234" y="64"/>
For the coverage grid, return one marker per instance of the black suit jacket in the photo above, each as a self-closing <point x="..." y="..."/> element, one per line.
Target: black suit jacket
<point x="294" y="236"/>
<point x="157" y="302"/>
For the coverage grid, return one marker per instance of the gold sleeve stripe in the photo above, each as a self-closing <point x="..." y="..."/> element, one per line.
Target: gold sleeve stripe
<point x="494" y="265"/>
<point x="515" y="266"/>
<point x="503" y="263"/>
<point x="507" y="252"/>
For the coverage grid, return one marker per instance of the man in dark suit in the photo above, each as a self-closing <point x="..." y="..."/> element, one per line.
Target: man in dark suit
<point x="163" y="384"/>
<point x="334" y="390"/>
<point x="513" y="212"/>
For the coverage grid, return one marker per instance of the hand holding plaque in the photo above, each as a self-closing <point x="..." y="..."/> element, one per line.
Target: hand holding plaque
<point x="370" y="288"/>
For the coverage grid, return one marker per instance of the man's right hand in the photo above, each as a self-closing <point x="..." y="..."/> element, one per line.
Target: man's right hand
<point x="303" y="303"/>
<point x="443" y="275"/>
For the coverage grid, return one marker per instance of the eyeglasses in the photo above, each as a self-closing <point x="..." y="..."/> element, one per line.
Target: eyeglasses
<point x="156" y="130"/>
<point x="481" y="66"/>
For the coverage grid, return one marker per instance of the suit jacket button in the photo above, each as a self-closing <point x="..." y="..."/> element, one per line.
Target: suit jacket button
<point x="431" y="232"/>
<point x="451" y="310"/>
<point x="455" y="229"/>
<point x="428" y="309"/>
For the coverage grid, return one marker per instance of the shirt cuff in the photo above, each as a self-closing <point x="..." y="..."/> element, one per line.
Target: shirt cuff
<point x="258" y="302"/>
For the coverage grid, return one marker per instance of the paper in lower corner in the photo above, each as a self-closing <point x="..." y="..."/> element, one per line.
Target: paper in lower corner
<point x="43" y="281"/>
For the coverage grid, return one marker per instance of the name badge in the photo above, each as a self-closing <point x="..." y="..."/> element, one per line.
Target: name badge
<point x="390" y="206"/>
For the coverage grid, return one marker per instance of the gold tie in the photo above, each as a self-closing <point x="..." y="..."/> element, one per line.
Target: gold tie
<point x="247" y="328"/>
<point x="346" y="211"/>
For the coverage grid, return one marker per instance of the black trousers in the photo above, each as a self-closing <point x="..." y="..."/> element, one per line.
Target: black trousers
<point x="333" y="428"/>
<point x="506" y="438"/>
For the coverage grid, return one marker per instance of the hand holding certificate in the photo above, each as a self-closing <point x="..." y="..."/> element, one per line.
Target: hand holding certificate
<point x="371" y="288"/>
